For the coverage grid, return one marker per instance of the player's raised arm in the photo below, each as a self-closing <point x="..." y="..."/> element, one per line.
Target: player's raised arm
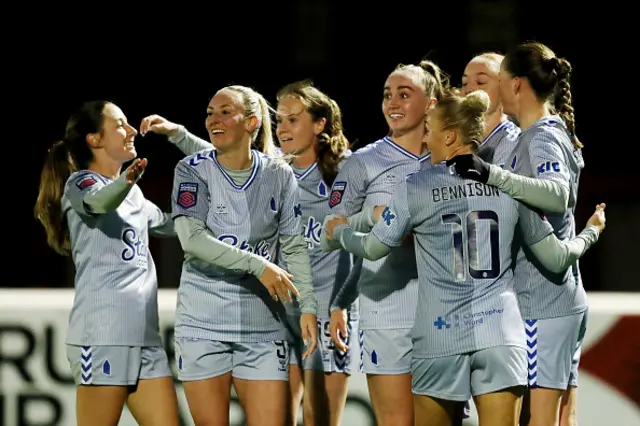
<point x="176" y="134"/>
<point x="554" y="254"/>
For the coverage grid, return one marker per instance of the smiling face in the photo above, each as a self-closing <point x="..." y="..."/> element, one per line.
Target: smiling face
<point x="226" y="122"/>
<point x="116" y="138"/>
<point x="404" y="103"/>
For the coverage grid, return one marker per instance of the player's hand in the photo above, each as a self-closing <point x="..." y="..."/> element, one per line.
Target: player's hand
<point x="332" y="224"/>
<point x="338" y="328"/>
<point x="309" y="333"/>
<point x="135" y="170"/>
<point x="470" y="166"/>
<point x="598" y="219"/>
<point x="160" y="125"/>
<point x="278" y="283"/>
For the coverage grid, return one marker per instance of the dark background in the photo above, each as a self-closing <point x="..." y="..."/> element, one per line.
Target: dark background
<point x="170" y="61"/>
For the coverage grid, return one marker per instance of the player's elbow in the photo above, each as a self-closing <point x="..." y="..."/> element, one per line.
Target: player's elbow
<point x="559" y="203"/>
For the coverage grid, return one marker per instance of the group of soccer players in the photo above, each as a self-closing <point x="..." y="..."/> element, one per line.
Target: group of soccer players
<point x="440" y="260"/>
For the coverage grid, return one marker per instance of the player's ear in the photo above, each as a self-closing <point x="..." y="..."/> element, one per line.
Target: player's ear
<point x="516" y="84"/>
<point x="251" y="123"/>
<point x="431" y="104"/>
<point x="318" y="126"/>
<point x="451" y="137"/>
<point x="93" y="139"/>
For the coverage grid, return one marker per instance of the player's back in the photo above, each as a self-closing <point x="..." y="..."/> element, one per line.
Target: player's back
<point x="545" y="151"/>
<point x="115" y="299"/>
<point x="216" y="303"/>
<point x="463" y="231"/>
<point x="370" y="177"/>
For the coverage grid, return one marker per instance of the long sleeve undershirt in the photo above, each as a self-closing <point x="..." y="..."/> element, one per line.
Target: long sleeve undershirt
<point x="553" y="254"/>
<point x="545" y="194"/>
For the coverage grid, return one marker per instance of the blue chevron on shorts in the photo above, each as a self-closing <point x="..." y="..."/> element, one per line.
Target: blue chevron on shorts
<point x="86" y="366"/>
<point x="531" y="329"/>
<point x="361" y="341"/>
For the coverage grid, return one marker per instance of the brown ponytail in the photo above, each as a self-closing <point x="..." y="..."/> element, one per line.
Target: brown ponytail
<point x="63" y="158"/>
<point x="58" y="166"/>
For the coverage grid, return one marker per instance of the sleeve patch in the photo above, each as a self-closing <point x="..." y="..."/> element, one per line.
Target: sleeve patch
<point x="337" y="193"/>
<point x="85" y="182"/>
<point x="187" y="194"/>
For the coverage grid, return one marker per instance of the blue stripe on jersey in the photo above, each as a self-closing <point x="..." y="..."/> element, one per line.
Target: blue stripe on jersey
<point x="498" y="128"/>
<point x="254" y="170"/>
<point x="388" y="140"/>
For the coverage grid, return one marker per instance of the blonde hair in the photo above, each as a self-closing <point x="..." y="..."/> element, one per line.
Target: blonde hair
<point x="429" y="76"/>
<point x="255" y="105"/>
<point x="464" y="114"/>
<point x="332" y="143"/>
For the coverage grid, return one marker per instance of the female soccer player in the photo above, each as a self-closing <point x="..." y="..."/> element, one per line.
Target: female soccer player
<point x="91" y="210"/>
<point x="469" y="334"/>
<point x="309" y="129"/>
<point x="369" y="178"/>
<point x="500" y="134"/>
<point x="230" y="327"/>
<point x="546" y="166"/>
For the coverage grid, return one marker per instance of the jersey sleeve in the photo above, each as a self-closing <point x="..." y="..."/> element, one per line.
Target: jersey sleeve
<point x="80" y="185"/>
<point x="190" y="195"/>
<point x="349" y="189"/>
<point x="533" y="225"/>
<point x="160" y="223"/>
<point x="290" y="222"/>
<point x="547" y="158"/>
<point x="395" y="221"/>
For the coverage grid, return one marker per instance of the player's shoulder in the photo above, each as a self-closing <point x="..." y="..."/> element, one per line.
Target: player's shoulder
<point x="434" y="175"/>
<point x="198" y="159"/>
<point x="369" y="150"/>
<point x="549" y="130"/>
<point x="345" y="156"/>
<point x="274" y="165"/>
<point x="358" y="159"/>
<point x="83" y="179"/>
<point x="510" y="130"/>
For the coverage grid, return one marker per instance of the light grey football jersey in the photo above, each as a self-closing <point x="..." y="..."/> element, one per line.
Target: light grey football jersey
<point x="329" y="269"/>
<point x="463" y="233"/>
<point x="388" y="287"/>
<point x="545" y="151"/>
<point x="227" y="305"/>
<point x="116" y="288"/>
<point x="498" y="145"/>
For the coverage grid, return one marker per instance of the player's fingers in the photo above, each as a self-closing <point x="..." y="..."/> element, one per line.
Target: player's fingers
<point x="292" y="288"/>
<point x="283" y="293"/>
<point x="271" y="290"/>
<point x="311" y="340"/>
<point x="339" y="342"/>
<point x="146" y="122"/>
<point x="343" y="329"/>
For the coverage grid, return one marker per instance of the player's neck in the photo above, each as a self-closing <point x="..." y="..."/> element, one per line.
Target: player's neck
<point x="492" y="121"/>
<point x="106" y="168"/>
<point x="305" y="158"/>
<point x="235" y="159"/>
<point x="411" y="141"/>
<point x="532" y="113"/>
